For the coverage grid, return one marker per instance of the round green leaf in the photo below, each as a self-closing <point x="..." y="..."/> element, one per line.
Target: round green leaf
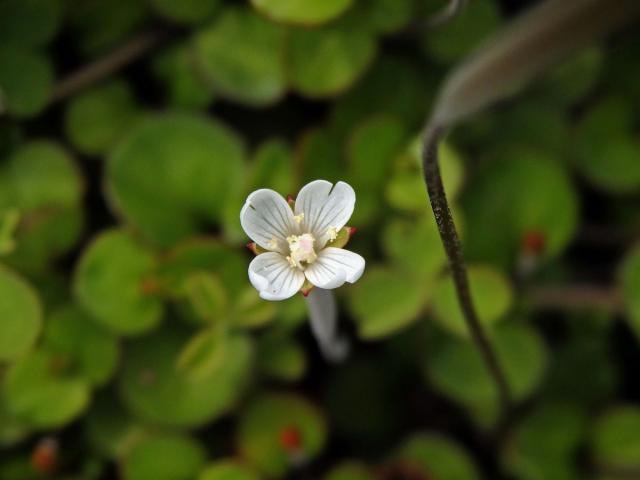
<point x="615" y="442"/>
<point x="606" y="150"/>
<point x="415" y="246"/>
<point x="492" y="294"/>
<point x="272" y="167"/>
<point x="406" y="189"/>
<point x="37" y="392"/>
<point x="297" y="12"/>
<point x="227" y="470"/>
<point x="86" y="349"/>
<point x="40" y="181"/>
<point x="456" y="368"/>
<point x="173" y="173"/>
<point x="383" y="16"/>
<point x="630" y="284"/>
<point x="96" y="118"/>
<point x="327" y="61"/>
<point x="243" y="56"/>
<point x="154" y="387"/>
<point x="437" y="457"/>
<point x="164" y="457"/>
<point x="184" y="85"/>
<point x="185" y="11"/>
<point x="26" y="79"/>
<point x="385" y="301"/>
<point x="281" y="358"/>
<point x="545" y="443"/>
<point x="109" y="281"/>
<point x="461" y="35"/>
<point x="262" y="423"/>
<point x="29" y="23"/>
<point x="522" y="191"/>
<point x="20" y="315"/>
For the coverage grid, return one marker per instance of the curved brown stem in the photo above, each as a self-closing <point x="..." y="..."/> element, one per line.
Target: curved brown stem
<point x="451" y="242"/>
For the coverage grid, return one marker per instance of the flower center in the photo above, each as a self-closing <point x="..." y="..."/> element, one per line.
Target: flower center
<point x="301" y="250"/>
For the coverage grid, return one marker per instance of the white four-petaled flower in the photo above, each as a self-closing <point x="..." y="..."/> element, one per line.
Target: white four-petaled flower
<point x="297" y="241"/>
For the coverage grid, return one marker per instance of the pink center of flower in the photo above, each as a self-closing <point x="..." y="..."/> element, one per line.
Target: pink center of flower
<point x="301" y="250"/>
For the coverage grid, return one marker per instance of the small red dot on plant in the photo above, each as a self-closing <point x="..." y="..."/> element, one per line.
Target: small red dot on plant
<point x="44" y="458"/>
<point x="534" y="242"/>
<point x="290" y="438"/>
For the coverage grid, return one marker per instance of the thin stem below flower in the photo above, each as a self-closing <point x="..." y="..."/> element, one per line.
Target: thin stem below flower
<point x="451" y="242"/>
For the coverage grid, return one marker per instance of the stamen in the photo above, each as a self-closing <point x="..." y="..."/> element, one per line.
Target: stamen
<point x="333" y="233"/>
<point x="302" y="251"/>
<point x="298" y="218"/>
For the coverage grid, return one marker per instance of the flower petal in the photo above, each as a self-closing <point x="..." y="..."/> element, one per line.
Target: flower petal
<point x="268" y="220"/>
<point x="335" y="266"/>
<point x="273" y="277"/>
<point x="325" y="205"/>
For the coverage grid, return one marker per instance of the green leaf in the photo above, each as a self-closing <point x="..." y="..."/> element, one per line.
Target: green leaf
<point x="327" y="61"/>
<point x="574" y="78"/>
<point x="85" y="348"/>
<point x="544" y="445"/>
<point x="606" y="150"/>
<point x="183" y="83"/>
<point x="29" y="23"/>
<point x="164" y="457"/>
<point x="261" y="426"/>
<point x="521" y="191"/>
<point x="437" y="457"/>
<point x="308" y="12"/>
<point x="382" y="16"/>
<point x="371" y="149"/>
<point x="350" y="470"/>
<point x="207" y="297"/>
<point x="20" y="315"/>
<point x="406" y="189"/>
<point x="490" y="290"/>
<point x="629" y="280"/>
<point x="272" y="167"/>
<point x="227" y="470"/>
<point x="186" y="11"/>
<point x="26" y="79"/>
<point x="96" y="118"/>
<point x="457" y="370"/>
<point x="110" y="280"/>
<point x="415" y="246"/>
<point x="460" y="35"/>
<point x="42" y="183"/>
<point x="615" y="442"/>
<point x="242" y="55"/>
<point x="203" y="353"/>
<point x="385" y="301"/>
<point x="154" y="388"/>
<point x="37" y="392"/>
<point x="173" y="173"/>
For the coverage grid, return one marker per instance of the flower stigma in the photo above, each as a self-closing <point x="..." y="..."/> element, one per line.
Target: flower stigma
<point x="301" y="248"/>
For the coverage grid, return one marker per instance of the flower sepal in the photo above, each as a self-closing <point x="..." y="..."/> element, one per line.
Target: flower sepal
<point x="342" y="238"/>
<point x="306" y="288"/>
<point x="255" y="248"/>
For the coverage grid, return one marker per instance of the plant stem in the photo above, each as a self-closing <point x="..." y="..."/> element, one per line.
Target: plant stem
<point x="451" y="243"/>
<point x="107" y="65"/>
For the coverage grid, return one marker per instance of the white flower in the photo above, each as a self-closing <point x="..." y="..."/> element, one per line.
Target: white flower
<point x="297" y="242"/>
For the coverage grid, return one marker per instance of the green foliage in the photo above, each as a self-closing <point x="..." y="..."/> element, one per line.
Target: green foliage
<point x="301" y="13"/>
<point x="199" y="167"/>
<point x="261" y="427"/>
<point x="99" y="117"/>
<point x="242" y="55"/>
<point x="131" y="133"/>
<point x="21" y="315"/>
<point x="165" y="457"/>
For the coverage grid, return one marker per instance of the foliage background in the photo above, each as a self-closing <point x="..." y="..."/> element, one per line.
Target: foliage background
<point x="130" y="336"/>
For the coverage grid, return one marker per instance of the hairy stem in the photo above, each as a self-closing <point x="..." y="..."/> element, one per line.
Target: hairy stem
<point x="451" y="243"/>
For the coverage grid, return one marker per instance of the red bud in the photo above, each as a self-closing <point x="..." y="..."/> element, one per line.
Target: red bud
<point x="290" y="438"/>
<point x="44" y="458"/>
<point x="534" y="242"/>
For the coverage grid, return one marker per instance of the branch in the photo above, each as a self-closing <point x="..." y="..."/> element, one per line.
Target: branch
<point x="107" y="65"/>
<point x="451" y="243"/>
<point x="576" y="297"/>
